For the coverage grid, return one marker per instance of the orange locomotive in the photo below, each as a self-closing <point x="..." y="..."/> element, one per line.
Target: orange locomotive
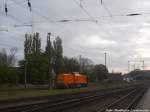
<point x="70" y="80"/>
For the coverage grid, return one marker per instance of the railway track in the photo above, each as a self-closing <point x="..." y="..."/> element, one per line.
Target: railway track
<point x="125" y="103"/>
<point x="71" y="102"/>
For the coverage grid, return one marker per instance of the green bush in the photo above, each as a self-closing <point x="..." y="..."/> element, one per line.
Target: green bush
<point x="8" y="76"/>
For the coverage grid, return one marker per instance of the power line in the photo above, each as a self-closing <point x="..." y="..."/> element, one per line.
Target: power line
<point x="11" y="17"/>
<point x="121" y="15"/>
<point x="5" y="30"/>
<point x="33" y="10"/>
<point x="105" y="7"/>
<point x="23" y="25"/>
<point x="53" y="21"/>
<point x="107" y="10"/>
<point x="70" y="20"/>
<point x="76" y="20"/>
<point x="84" y="10"/>
<point x="90" y="16"/>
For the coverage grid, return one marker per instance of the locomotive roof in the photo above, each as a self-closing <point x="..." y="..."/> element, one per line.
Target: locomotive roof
<point x="74" y="73"/>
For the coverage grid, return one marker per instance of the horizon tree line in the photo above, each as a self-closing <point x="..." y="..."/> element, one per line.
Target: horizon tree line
<point x="42" y="66"/>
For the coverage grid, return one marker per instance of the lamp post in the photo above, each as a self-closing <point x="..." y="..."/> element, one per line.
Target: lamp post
<point x="128" y="66"/>
<point x="105" y="59"/>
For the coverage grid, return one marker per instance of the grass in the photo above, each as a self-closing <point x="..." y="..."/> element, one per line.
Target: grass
<point x="16" y="92"/>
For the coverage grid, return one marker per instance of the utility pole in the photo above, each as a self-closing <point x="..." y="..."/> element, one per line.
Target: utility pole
<point x="49" y="61"/>
<point x="105" y="59"/>
<point x="25" y="73"/>
<point x="134" y="66"/>
<point x="143" y="65"/>
<point x="80" y="58"/>
<point x="128" y="66"/>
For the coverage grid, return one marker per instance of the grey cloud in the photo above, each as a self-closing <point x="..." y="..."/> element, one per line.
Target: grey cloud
<point x="122" y="36"/>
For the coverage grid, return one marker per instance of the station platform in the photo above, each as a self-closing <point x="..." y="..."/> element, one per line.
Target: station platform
<point x="144" y="104"/>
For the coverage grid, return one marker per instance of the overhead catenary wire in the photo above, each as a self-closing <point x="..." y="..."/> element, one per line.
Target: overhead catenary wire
<point x="33" y="11"/>
<point x="91" y="16"/>
<point x="23" y="25"/>
<point x="78" y="20"/>
<point x="5" y="43"/>
<point x="48" y="19"/>
<point x="52" y="21"/>
<point x="107" y="10"/>
<point x="68" y="20"/>
<point x="3" y="30"/>
<point x="11" y="17"/>
<point x="5" y="13"/>
<point x="105" y="7"/>
<point x="82" y="8"/>
<point x="81" y="3"/>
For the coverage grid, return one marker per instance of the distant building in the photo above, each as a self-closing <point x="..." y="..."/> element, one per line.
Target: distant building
<point x="115" y="76"/>
<point x="137" y="75"/>
<point x="128" y="79"/>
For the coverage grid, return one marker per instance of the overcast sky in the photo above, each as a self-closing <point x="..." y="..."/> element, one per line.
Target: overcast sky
<point x="123" y="38"/>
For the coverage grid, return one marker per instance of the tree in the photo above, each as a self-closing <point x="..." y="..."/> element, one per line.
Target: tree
<point x="36" y="43"/>
<point x="7" y="61"/>
<point x="3" y="57"/>
<point x="27" y="50"/>
<point x="37" y="66"/>
<point x="27" y="44"/>
<point x="58" y="55"/>
<point x="70" y="65"/>
<point x="35" y="61"/>
<point x="86" y="67"/>
<point x="32" y="44"/>
<point x="21" y="64"/>
<point x="8" y="76"/>
<point x="100" y="71"/>
<point x="49" y="51"/>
